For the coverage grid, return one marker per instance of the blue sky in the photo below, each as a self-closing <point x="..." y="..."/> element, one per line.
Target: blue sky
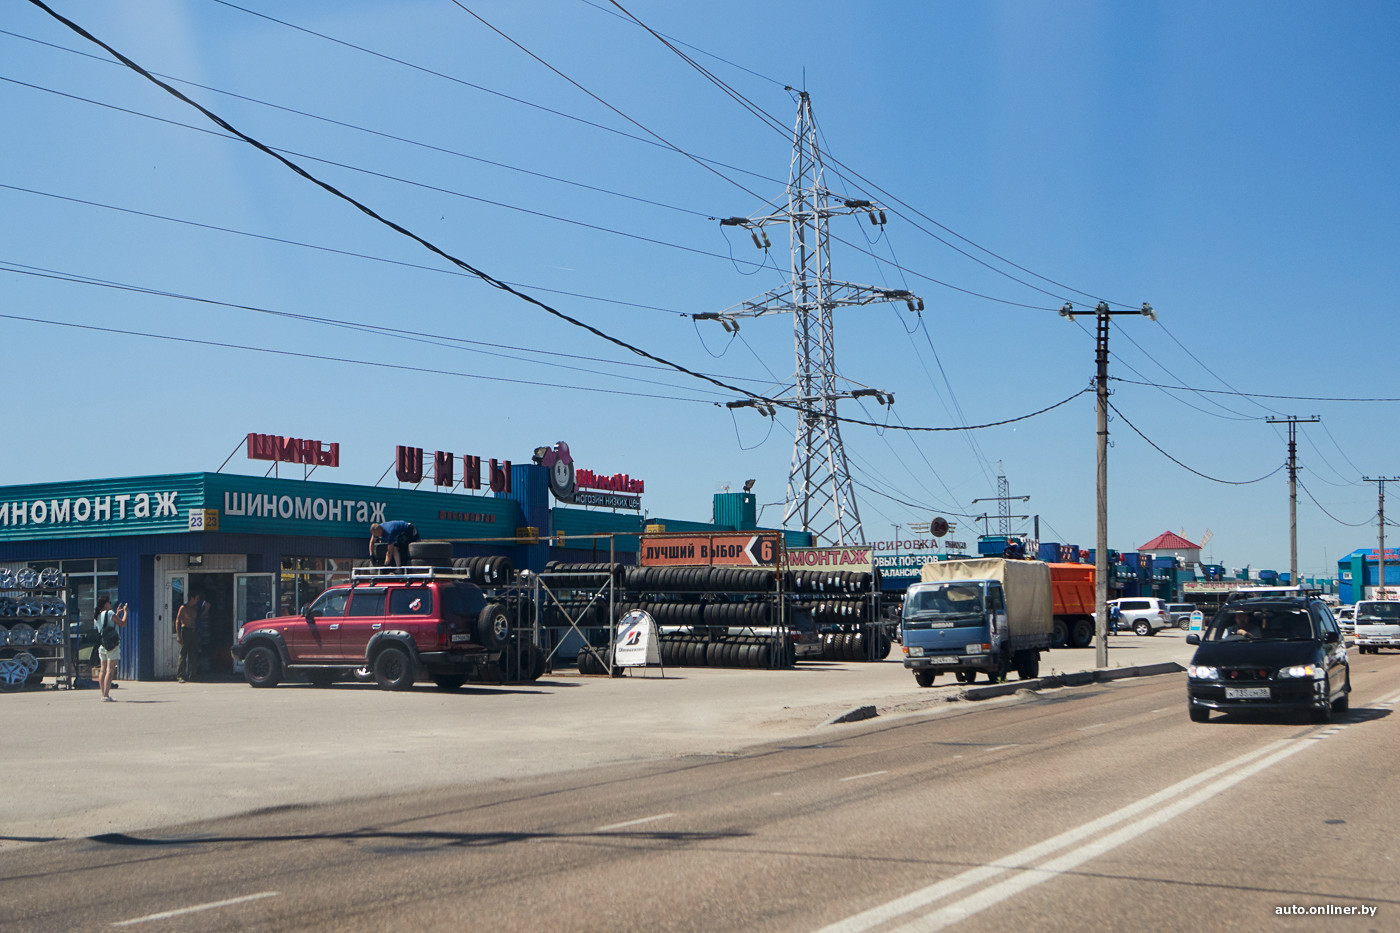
<point x="1231" y="164"/>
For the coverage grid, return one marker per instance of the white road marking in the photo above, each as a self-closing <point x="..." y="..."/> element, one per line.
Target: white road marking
<point x="1031" y="877"/>
<point x="1000" y="747"/>
<point x="645" y="819"/>
<point x="1390" y="700"/>
<point x="1097" y="725"/>
<point x="196" y="909"/>
<point x="1019" y="860"/>
<point x="857" y="777"/>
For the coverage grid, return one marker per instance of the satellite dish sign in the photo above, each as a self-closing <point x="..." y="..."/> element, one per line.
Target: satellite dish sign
<point x="636" y="644"/>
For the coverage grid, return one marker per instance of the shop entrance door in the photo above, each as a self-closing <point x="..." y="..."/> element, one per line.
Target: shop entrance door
<point x="169" y="599"/>
<point x="252" y="602"/>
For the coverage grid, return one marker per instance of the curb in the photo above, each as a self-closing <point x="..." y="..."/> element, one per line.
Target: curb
<point x="853" y="715"/>
<point x="1073" y="679"/>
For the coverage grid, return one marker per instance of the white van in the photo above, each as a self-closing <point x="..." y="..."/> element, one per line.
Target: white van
<point x="1377" y="625"/>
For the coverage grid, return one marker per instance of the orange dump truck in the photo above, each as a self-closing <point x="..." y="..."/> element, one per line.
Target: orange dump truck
<point x="1072" y="592"/>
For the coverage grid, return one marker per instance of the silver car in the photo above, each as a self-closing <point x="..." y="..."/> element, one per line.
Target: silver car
<point x="1144" y="615"/>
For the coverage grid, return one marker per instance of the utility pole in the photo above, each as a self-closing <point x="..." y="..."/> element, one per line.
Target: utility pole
<point x="820" y="494"/>
<point x="1293" y="422"/>
<point x="1102" y="314"/>
<point x="1380" y="482"/>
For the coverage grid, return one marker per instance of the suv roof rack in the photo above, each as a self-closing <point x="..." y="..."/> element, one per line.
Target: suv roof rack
<point x="409" y="574"/>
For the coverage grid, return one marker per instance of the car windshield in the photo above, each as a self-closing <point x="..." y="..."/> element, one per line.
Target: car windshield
<point x="944" y="605"/>
<point x="1272" y="623"/>
<point x="1378" y="613"/>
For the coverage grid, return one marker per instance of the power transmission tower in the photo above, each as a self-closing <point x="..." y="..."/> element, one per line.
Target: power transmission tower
<point x="1293" y="423"/>
<point x="820" y="494"/>
<point x="1004" y="498"/>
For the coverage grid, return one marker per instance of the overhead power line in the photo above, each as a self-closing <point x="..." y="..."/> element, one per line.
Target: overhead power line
<point x="751" y="397"/>
<point x="1213" y="479"/>
<point x="1289" y="398"/>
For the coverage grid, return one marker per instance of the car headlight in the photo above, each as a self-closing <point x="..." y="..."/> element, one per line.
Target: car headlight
<point x="1201" y="672"/>
<point x="240" y="634"/>
<point x="914" y="652"/>
<point x="977" y="649"/>
<point x="1302" y="670"/>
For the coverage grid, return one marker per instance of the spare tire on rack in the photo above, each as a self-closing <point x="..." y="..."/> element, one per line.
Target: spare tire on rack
<point x="493" y="626"/>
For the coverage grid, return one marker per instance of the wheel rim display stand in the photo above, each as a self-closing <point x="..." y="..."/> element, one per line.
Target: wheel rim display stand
<point x="26" y="597"/>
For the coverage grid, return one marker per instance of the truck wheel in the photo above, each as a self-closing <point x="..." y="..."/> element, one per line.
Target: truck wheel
<point x="1082" y="634"/>
<point x="393" y="670"/>
<point x="1140" y="627"/>
<point x="925" y="678"/>
<point x="964" y="677"/>
<point x="1028" y="665"/>
<point x="262" y="667"/>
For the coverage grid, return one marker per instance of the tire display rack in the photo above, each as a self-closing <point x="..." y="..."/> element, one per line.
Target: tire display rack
<point x="705" y="616"/>
<point x="34" y="639"/>
<point x="846" y="609"/>
<point x="509" y="605"/>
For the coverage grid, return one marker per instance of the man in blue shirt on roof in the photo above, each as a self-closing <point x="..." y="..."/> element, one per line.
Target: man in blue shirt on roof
<point x="398" y="536"/>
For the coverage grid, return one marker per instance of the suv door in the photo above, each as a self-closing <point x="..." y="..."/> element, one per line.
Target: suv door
<point x="363" y="620"/>
<point x="1335" y="652"/>
<point x="319" y="639"/>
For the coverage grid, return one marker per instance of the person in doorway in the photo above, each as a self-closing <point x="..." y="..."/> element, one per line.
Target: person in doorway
<point x="107" y="617"/>
<point x="398" y="536"/>
<point x="187" y="634"/>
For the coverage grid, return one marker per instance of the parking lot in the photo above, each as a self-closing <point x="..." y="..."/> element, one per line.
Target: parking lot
<point x="167" y="753"/>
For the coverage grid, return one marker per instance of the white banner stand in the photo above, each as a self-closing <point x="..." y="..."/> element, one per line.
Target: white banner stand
<point x="638" y="642"/>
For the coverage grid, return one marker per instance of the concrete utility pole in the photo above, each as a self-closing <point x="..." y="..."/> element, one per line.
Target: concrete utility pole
<point x="820" y="494"/>
<point x="1380" y="482"/>
<point x="1102" y="314"/>
<point x="1293" y="422"/>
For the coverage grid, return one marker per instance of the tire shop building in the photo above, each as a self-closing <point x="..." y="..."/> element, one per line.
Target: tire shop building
<point x="258" y="545"/>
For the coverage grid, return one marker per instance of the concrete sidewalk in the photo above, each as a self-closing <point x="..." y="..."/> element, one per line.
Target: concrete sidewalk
<point x="168" y="753"/>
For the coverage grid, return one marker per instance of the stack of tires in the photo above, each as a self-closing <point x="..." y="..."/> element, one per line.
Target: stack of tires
<point x="739" y="651"/>
<point x="855" y="646"/>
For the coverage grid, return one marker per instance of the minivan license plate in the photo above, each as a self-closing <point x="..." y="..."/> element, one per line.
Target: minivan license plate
<point x="1246" y="693"/>
<point x="944" y="660"/>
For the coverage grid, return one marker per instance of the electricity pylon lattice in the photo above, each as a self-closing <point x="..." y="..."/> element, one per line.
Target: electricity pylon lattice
<point x="820" y="494"/>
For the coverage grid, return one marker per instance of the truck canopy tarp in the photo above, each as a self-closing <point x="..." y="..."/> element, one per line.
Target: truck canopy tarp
<point x="1026" y="584"/>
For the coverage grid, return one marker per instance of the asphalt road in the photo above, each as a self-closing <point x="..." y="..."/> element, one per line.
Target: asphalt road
<point x="1093" y="808"/>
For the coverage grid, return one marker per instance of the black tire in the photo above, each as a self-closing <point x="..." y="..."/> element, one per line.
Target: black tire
<point x="1059" y="634"/>
<point x="493" y="627"/>
<point x="965" y="677"/>
<point x="538" y="663"/>
<point x="1198" y="713"/>
<point x="1028" y="665"/>
<point x="1140" y="627"/>
<point x="393" y="669"/>
<point x="1082" y="633"/>
<point x="437" y="551"/>
<point x="262" y="667"/>
<point x="1184" y="625"/>
<point x="1323" y="714"/>
<point x="925" y="678"/>
<point x="449" y="681"/>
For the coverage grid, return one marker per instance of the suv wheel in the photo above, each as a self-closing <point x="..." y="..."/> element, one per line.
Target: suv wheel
<point x="449" y="681"/>
<point x="262" y="667"/>
<point x="393" y="670"/>
<point x="1140" y="627"/>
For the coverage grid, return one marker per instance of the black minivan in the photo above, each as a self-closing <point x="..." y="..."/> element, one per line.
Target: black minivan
<point x="1269" y="654"/>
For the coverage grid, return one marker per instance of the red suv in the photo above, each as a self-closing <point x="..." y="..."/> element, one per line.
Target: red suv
<point x="398" y="624"/>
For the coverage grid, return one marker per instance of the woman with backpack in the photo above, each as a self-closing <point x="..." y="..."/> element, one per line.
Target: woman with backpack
<point x="107" y="622"/>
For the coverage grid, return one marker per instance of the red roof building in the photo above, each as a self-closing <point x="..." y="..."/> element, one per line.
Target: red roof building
<point x="1169" y="544"/>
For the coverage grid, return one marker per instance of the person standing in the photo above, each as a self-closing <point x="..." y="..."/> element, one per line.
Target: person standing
<point x="187" y="634"/>
<point x="107" y="617"/>
<point x="397" y="535"/>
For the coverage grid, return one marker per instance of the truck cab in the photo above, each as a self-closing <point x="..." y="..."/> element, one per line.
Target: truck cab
<point x="1377" y="625"/>
<point x="957" y="626"/>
